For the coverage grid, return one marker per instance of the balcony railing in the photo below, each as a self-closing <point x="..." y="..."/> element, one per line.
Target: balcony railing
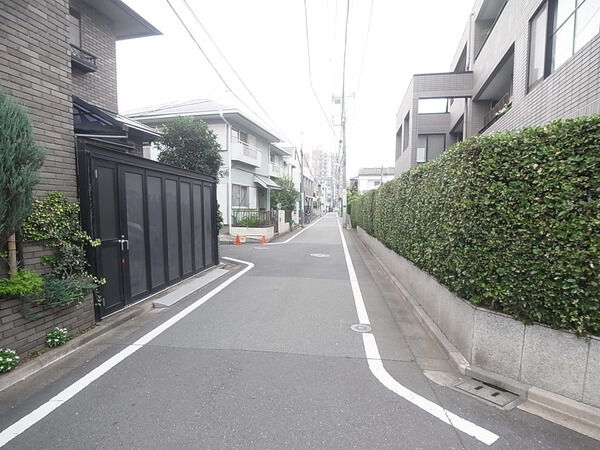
<point x="252" y="218"/>
<point x="499" y="108"/>
<point x="83" y="60"/>
<point x="275" y="170"/>
<point x="241" y="151"/>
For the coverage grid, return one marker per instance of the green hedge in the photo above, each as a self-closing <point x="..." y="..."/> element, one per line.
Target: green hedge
<point x="510" y="222"/>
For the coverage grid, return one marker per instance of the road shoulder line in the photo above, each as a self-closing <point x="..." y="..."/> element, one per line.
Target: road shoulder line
<point x="378" y="370"/>
<point x="42" y="411"/>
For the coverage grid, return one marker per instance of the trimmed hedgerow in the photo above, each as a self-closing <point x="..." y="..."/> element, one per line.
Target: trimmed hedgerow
<point x="510" y="222"/>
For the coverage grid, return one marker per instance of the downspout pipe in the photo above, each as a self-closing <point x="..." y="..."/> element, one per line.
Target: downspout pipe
<point x="229" y="184"/>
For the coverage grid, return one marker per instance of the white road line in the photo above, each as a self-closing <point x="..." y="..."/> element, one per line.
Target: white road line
<point x="38" y="414"/>
<point x="377" y="369"/>
<point x="298" y="233"/>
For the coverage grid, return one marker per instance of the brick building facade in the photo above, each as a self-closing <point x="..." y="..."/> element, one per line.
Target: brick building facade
<point x="40" y="69"/>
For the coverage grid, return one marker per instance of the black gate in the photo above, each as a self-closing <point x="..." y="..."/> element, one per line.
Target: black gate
<point x="156" y="223"/>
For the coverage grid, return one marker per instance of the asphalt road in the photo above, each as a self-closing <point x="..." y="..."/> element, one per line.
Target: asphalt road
<point x="269" y="362"/>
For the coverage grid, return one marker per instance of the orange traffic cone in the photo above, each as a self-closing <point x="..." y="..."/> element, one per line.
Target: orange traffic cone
<point x="237" y="240"/>
<point x="263" y="240"/>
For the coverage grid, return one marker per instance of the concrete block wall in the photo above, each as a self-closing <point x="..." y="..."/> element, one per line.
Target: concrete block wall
<point x="534" y="355"/>
<point x="98" y="38"/>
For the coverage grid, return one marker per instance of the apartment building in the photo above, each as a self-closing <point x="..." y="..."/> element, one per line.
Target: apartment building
<point x="250" y="161"/>
<point x="518" y="63"/>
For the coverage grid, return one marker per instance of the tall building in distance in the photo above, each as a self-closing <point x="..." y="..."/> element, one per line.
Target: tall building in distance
<point x="323" y="167"/>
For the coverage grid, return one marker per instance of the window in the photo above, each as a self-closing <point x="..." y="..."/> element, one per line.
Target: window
<point x="399" y="143"/>
<point x="433" y="105"/>
<point x="405" y="131"/>
<point x="74" y="28"/>
<point x="537" y="45"/>
<point x="240" y="196"/>
<point x="430" y="146"/>
<point x="239" y="136"/>
<point x="557" y="31"/>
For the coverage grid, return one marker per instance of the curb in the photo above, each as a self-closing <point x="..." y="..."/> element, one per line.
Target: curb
<point x="44" y="360"/>
<point x="564" y="411"/>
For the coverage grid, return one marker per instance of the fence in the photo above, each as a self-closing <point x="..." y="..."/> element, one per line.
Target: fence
<point x="253" y="218"/>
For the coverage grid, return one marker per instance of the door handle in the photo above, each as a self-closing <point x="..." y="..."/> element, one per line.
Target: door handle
<point x="124" y="243"/>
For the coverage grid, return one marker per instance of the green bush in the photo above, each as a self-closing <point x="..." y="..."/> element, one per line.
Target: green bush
<point x="65" y="291"/>
<point x="8" y="360"/>
<point x="56" y="337"/>
<point x="25" y="282"/>
<point x="250" y="222"/>
<point x="510" y="222"/>
<point x="55" y="221"/>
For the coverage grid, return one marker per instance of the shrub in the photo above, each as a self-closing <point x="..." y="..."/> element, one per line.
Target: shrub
<point x="8" y="359"/>
<point x="509" y="221"/>
<point x="25" y="282"/>
<point x="250" y="222"/>
<point x="55" y="220"/>
<point x="20" y="159"/>
<point x="57" y="337"/>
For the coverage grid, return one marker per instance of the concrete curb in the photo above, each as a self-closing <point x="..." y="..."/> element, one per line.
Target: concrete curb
<point x="33" y="366"/>
<point x="571" y="414"/>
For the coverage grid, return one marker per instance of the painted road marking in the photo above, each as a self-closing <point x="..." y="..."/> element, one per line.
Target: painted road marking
<point x="299" y="232"/>
<point x="38" y="414"/>
<point x="378" y="370"/>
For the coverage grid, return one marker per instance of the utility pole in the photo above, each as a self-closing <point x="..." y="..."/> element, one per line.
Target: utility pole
<point x="343" y="187"/>
<point x="301" y="209"/>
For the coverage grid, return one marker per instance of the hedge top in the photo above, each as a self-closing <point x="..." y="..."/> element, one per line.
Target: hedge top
<point x="509" y="221"/>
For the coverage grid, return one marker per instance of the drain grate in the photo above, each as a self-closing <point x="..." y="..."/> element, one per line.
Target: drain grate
<point x="486" y="391"/>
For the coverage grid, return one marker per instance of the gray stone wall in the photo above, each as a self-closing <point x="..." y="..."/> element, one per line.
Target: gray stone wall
<point x="35" y="70"/>
<point x="97" y="38"/>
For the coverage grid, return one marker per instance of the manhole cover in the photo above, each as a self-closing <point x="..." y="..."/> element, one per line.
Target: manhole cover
<point x="319" y="255"/>
<point x="487" y="392"/>
<point x="360" y="328"/>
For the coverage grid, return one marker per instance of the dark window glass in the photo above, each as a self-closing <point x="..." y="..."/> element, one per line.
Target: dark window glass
<point x="405" y="131"/>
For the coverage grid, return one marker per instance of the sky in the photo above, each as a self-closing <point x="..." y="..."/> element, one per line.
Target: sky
<point x="265" y="42"/>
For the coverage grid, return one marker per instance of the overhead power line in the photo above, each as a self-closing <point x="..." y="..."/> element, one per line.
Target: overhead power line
<point x="266" y="113"/>
<point x="344" y="97"/>
<point x="312" y="87"/>
<point x="362" y="62"/>
<point x="214" y="67"/>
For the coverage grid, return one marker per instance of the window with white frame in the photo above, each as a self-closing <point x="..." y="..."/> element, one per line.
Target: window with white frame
<point x="240" y="197"/>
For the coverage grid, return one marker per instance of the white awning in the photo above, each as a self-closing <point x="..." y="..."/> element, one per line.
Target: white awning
<point x="266" y="182"/>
